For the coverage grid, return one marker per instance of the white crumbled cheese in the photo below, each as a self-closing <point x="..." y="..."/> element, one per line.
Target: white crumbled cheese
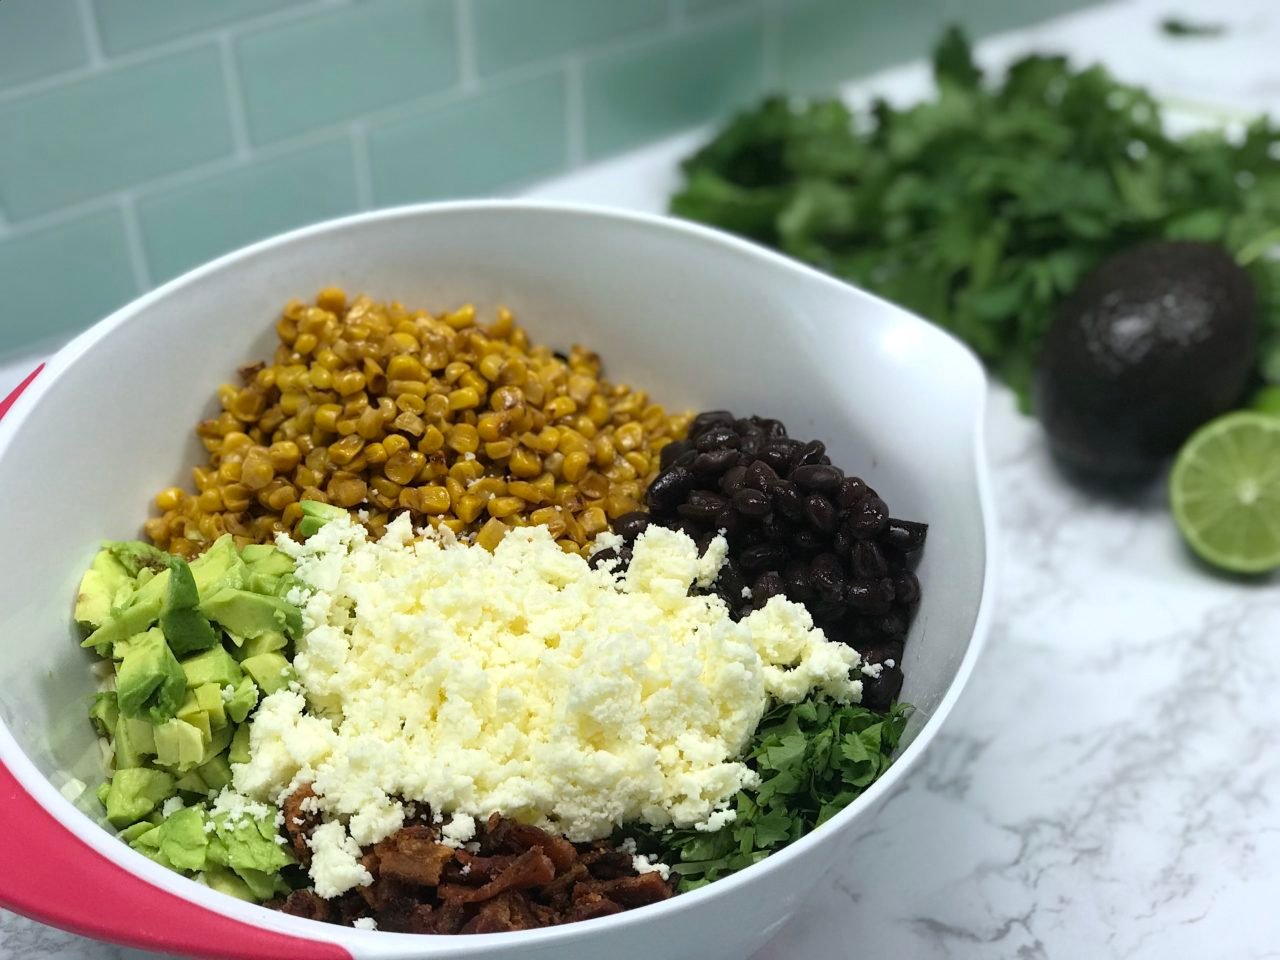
<point x="335" y="861"/>
<point x="171" y="806"/>
<point x="872" y="670"/>
<point x="746" y="593"/>
<point x="608" y="540"/>
<point x="236" y="808"/>
<point x="891" y="664"/>
<point x="458" y="830"/>
<point x="465" y="871"/>
<point x="365" y="923"/>
<point x="642" y="864"/>
<point x="717" y="821"/>
<point x="523" y="681"/>
<point x="628" y="845"/>
<point x="227" y="693"/>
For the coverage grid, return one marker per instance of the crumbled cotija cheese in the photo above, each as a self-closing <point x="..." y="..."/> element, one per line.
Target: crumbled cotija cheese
<point x="522" y="681"/>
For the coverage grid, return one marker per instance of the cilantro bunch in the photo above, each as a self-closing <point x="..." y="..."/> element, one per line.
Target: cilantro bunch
<point x="981" y="208"/>
<point x="814" y="758"/>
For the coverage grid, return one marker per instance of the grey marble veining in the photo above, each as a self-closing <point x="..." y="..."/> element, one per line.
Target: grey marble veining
<point x="1109" y="785"/>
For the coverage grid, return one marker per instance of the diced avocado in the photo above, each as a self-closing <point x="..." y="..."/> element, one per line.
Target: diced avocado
<point x="179" y="745"/>
<point x="265" y="560"/>
<point x="136" y="556"/>
<point x="239" y="752"/>
<point x="218" y="744"/>
<point x="248" y="843"/>
<point x="243" y="699"/>
<point x="134" y="742"/>
<point x="192" y="782"/>
<point x="270" y="671"/>
<point x="209" y="697"/>
<point x="219" y="566"/>
<point x="262" y="885"/>
<point x="132" y="618"/>
<point x="133" y="831"/>
<point x="224" y="881"/>
<point x="104" y="712"/>
<point x="134" y="793"/>
<point x="183" y="841"/>
<point x="104" y="790"/>
<point x="184" y="626"/>
<point x="103" y="585"/>
<point x="147" y="837"/>
<point x="191" y="713"/>
<point x="247" y="615"/>
<point x="214" y="665"/>
<point x="149" y="681"/>
<point x="216" y="772"/>
<point x="316" y="514"/>
<point x="267" y="643"/>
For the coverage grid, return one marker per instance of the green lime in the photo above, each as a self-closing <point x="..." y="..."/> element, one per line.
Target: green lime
<point x="1266" y="400"/>
<point x="1225" y="492"/>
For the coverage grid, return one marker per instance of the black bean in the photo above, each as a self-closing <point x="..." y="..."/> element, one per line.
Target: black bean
<point x="715" y="462"/>
<point x="817" y="477"/>
<point x="868" y="518"/>
<point x="807" y="540"/>
<point x="852" y="489"/>
<point x="690" y="528"/>
<point x="787" y="498"/>
<point x="702" y="505"/>
<point x="761" y="476"/>
<point x="827" y="612"/>
<point x="733" y="480"/>
<point x="730" y="582"/>
<point x="842" y="543"/>
<point x="820" y="512"/>
<point x="718" y="437"/>
<point x="768" y="584"/>
<point x="811" y="453"/>
<point x="728" y="521"/>
<point x="773" y="429"/>
<point x="906" y="588"/>
<point x="799" y="581"/>
<point x="893" y="624"/>
<point x="828" y="575"/>
<point x="711" y="418"/>
<point x="869" y="596"/>
<point x="602" y="556"/>
<point x="878" y="693"/>
<point x="685" y="459"/>
<point x="880" y="650"/>
<point x="867" y="561"/>
<point x="703" y="541"/>
<point x="763" y="556"/>
<point x="671" y="451"/>
<point x="669" y="489"/>
<point x="778" y="458"/>
<point x="752" y="445"/>
<point x="631" y="525"/>
<point x="906" y="536"/>
<point x="776" y="529"/>
<point x="747" y="427"/>
<point x="752" y="503"/>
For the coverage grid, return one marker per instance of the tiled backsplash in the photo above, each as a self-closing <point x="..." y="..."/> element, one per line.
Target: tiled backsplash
<point x="139" y="138"/>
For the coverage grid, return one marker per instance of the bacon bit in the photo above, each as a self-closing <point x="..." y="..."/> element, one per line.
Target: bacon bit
<point x="533" y="868"/>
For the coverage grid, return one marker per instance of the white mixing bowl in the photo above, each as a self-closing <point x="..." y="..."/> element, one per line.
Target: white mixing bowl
<point x="698" y="318"/>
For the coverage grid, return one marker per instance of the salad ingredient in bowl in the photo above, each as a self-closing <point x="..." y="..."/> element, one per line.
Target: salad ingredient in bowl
<point x="419" y="658"/>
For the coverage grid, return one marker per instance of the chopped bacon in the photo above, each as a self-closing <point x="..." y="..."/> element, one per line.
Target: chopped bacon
<point x="298" y="823"/>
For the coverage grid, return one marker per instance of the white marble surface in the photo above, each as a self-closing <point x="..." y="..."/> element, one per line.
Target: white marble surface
<point x="1109" y="785"/>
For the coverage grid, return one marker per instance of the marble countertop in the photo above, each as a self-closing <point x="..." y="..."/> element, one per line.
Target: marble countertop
<point x="1109" y="784"/>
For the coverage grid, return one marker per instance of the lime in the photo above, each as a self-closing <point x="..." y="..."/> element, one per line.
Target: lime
<point x="1266" y="400"/>
<point x="1225" y="492"/>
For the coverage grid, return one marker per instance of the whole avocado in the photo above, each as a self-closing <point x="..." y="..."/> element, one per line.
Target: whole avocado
<point x="1155" y="341"/>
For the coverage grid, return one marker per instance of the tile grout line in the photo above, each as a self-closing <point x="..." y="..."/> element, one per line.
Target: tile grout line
<point x="235" y="96"/>
<point x="159" y="50"/>
<point x="464" y="37"/>
<point x="575" y="112"/>
<point x="361" y="165"/>
<point x="92" y="33"/>
<point x="133" y="242"/>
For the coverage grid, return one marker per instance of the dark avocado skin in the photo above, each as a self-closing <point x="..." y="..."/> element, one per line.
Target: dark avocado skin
<point x="1155" y="341"/>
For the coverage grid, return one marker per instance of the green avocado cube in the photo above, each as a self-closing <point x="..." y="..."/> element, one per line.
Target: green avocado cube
<point x="135" y="830"/>
<point x="104" y="712"/>
<point x="209" y="697"/>
<point x="249" y="844"/>
<point x="316" y="514"/>
<point x="179" y="745"/>
<point x="192" y="782"/>
<point x="214" y="665"/>
<point x="126" y="621"/>
<point x="136" y="792"/>
<point x="218" y="567"/>
<point x="104" y="789"/>
<point x="270" y="671"/>
<point x="224" y="881"/>
<point x="267" y="643"/>
<point x="218" y="744"/>
<point x="136" y="556"/>
<point x="266" y="560"/>
<point x="246" y="615"/>
<point x="243" y="699"/>
<point x="149" y="680"/>
<point x="216" y="772"/>
<point x="190" y="712"/>
<point x="134" y="742"/>
<point x="183" y="625"/>
<point x="239" y="752"/>
<point x="261" y="884"/>
<point x="183" y="841"/>
<point x="104" y="584"/>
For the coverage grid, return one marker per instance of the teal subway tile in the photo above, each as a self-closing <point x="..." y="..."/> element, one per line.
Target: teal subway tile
<point x="696" y="8"/>
<point x="980" y="17"/>
<point x="339" y="64"/>
<point x="39" y="38"/>
<point x="670" y="85"/>
<point x="115" y="129"/>
<point x="184" y="227"/>
<point x="59" y="280"/>
<point x="825" y="42"/>
<point x="473" y="148"/>
<point x="129" y="24"/>
<point x="512" y="32"/>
